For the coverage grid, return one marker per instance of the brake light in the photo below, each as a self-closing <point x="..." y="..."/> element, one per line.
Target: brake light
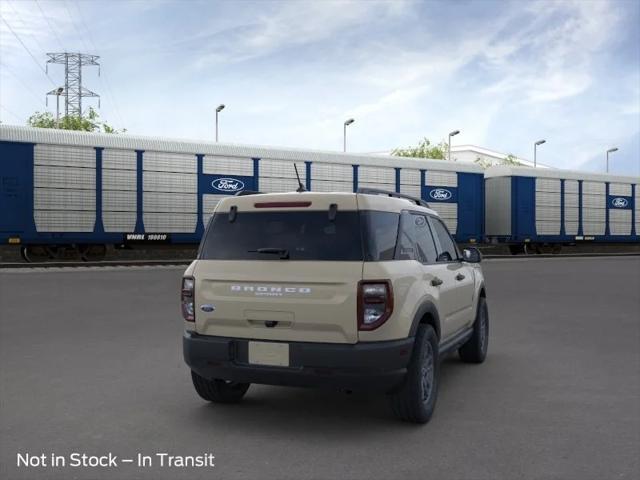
<point x="375" y="303"/>
<point x="282" y="204"/>
<point x="187" y="299"/>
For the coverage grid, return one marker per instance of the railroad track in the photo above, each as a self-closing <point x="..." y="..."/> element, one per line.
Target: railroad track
<point x="183" y="262"/>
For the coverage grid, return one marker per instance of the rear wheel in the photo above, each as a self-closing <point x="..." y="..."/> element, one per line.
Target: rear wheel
<point x="416" y="399"/>
<point x="475" y="349"/>
<point x="219" y="391"/>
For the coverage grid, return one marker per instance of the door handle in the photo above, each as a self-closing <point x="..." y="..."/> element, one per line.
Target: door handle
<point x="459" y="277"/>
<point x="436" y="281"/>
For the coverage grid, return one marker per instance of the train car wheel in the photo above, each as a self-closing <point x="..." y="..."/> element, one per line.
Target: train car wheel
<point x="516" y="249"/>
<point x="34" y="253"/>
<point x="92" y="253"/>
<point x="546" y="249"/>
<point x="52" y="252"/>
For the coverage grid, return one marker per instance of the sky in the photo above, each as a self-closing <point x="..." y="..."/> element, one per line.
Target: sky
<point x="290" y="73"/>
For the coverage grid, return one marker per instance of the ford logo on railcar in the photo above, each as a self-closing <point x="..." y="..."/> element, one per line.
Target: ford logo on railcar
<point x="228" y="184"/>
<point x="440" y="194"/>
<point x="619" y="202"/>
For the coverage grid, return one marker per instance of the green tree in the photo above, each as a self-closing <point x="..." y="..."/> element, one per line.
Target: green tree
<point x="87" y="123"/>
<point x="510" y="159"/>
<point x="483" y="162"/>
<point x="424" y="149"/>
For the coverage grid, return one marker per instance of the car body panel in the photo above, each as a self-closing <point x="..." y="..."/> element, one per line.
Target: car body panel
<point x="312" y="301"/>
<point x="316" y="301"/>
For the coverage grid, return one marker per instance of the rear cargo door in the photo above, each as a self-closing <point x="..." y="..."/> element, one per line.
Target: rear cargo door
<point x="284" y="300"/>
<point x="280" y="275"/>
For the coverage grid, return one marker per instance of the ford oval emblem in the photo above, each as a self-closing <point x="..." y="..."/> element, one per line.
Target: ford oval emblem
<point x="440" y="194"/>
<point x="207" y="308"/>
<point x="620" y="202"/>
<point x="230" y="185"/>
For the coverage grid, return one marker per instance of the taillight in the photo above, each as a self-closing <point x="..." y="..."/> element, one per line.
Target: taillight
<point x="282" y="204"/>
<point x="187" y="298"/>
<point x="375" y="303"/>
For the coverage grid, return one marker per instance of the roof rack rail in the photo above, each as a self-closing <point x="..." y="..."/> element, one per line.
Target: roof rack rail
<point x="379" y="191"/>
<point x="242" y="193"/>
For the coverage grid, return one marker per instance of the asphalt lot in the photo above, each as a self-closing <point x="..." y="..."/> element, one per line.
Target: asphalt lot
<point x="90" y="361"/>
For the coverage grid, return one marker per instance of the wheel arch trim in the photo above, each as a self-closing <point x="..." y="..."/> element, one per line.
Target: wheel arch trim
<point x="426" y="308"/>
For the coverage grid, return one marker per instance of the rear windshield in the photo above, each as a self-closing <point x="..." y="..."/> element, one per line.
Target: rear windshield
<point x="283" y="235"/>
<point x="351" y="236"/>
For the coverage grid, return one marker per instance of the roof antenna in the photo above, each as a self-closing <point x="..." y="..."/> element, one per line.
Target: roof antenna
<point x="300" y="186"/>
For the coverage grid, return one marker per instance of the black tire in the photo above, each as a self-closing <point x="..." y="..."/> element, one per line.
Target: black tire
<point x="219" y="391"/>
<point x="475" y="349"/>
<point x="415" y="401"/>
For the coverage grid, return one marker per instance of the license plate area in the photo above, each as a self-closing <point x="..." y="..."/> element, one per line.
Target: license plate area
<point x="269" y="353"/>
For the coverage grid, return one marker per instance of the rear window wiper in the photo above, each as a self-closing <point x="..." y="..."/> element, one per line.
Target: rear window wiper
<point x="283" y="252"/>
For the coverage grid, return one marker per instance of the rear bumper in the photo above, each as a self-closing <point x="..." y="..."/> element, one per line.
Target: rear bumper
<point x="378" y="366"/>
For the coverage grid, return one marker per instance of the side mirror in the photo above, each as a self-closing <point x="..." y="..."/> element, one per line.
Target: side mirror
<point x="471" y="255"/>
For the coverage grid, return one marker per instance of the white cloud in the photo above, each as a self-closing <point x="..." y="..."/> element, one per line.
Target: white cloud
<point x="550" y="58"/>
<point x="291" y="72"/>
<point x="288" y="25"/>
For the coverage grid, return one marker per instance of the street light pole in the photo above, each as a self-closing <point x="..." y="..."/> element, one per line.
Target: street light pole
<point x="535" y="152"/>
<point x="58" y="92"/>
<point x="611" y="150"/>
<point x="344" y="133"/>
<point x="451" y="134"/>
<point x="218" y="110"/>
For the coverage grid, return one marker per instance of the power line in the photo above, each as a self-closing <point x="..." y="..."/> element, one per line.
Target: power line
<point x="55" y="34"/>
<point x="28" y="51"/>
<point x="23" y="83"/>
<point x="112" y="97"/>
<point x="26" y="27"/>
<point x="66" y="6"/>
<point x="10" y="113"/>
<point x="84" y="24"/>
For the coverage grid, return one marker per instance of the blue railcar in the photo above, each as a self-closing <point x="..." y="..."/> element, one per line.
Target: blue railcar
<point x="84" y="190"/>
<point x="539" y="208"/>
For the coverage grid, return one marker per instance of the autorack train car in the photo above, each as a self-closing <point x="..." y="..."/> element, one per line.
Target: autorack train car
<point x="536" y="210"/>
<point x="65" y="190"/>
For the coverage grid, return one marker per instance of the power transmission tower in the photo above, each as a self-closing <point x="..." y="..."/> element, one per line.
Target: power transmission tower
<point x="73" y="91"/>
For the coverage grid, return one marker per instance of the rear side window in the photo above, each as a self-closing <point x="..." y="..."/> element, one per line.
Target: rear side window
<point x="448" y="250"/>
<point x="415" y="241"/>
<point x="380" y="232"/>
<point x="308" y="235"/>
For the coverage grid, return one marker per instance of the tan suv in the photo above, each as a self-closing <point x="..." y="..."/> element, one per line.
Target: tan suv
<point x="352" y="291"/>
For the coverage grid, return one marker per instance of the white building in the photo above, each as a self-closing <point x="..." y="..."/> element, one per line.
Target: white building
<point x="470" y="153"/>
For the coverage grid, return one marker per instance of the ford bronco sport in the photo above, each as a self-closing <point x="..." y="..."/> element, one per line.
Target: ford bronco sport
<point x="352" y="291"/>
